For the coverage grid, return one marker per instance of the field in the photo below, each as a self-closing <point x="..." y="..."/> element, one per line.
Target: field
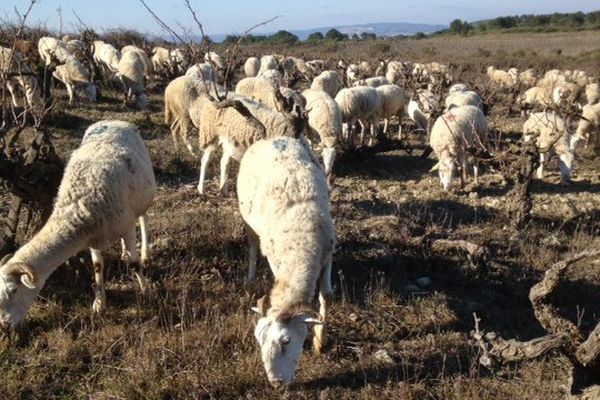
<point x="390" y="338"/>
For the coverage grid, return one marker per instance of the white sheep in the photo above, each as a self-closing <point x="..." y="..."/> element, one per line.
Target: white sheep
<point x="324" y="123"/>
<point x="268" y="62"/>
<point x="252" y="66"/>
<point x="202" y="71"/>
<point x="178" y="60"/>
<point x="75" y="77"/>
<point x="360" y="103"/>
<point x="229" y="129"/>
<point x="260" y="89"/>
<point x="396" y="71"/>
<point x="459" y="87"/>
<point x="287" y="211"/>
<point x="463" y="98"/>
<point x="272" y="75"/>
<point x="131" y="72"/>
<point x="589" y="125"/>
<point x="52" y="49"/>
<point x="214" y="59"/>
<point x="19" y="75"/>
<point x="527" y="78"/>
<point x="105" y="55"/>
<point x="417" y="116"/>
<point x="553" y="137"/>
<point x="592" y="93"/>
<point x="372" y="82"/>
<point x="107" y="185"/>
<point x="392" y="104"/>
<point x="352" y="74"/>
<point x="329" y="82"/>
<point x="143" y="58"/>
<point x="161" y="58"/>
<point x="293" y="96"/>
<point x="451" y="132"/>
<point x="501" y="78"/>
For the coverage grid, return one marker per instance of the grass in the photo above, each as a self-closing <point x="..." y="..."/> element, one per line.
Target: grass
<point x="192" y="339"/>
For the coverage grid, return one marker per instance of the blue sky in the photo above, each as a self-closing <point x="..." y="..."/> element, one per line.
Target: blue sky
<point x="234" y="16"/>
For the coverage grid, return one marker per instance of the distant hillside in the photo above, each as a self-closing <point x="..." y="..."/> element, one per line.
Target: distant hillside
<point x="386" y="29"/>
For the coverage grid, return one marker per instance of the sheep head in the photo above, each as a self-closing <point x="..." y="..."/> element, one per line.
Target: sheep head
<point x="281" y="338"/>
<point x="17" y="290"/>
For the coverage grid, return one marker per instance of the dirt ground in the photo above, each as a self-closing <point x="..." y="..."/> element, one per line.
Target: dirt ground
<point x="393" y="335"/>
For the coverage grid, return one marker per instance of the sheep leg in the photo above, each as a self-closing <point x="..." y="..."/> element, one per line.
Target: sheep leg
<point x="565" y="162"/>
<point x="363" y="129"/>
<point x="175" y="133"/>
<point x="203" y="164"/>
<point x="325" y="295"/>
<point x="374" y="131"/>
<point x="134" y="259"/>
<point x="464" y="170"/>
<point x="223" y="173"/>
<point x="476" y="171"/>
<point x="145" y="257"/>
<point x="99" y="304"/>
<point x="70" y="92"/>
<point x="253" y="242"/>
<point x="386" y="122"/>
<point x="540" y="170"/>
<point x="11" y="89"/>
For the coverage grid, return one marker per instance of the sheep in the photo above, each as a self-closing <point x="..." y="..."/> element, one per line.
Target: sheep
<point x="293" y="96"/>
<point x="396" y="71"/>
<point x="451" y="132"/>
<point x="52" y="49"/>
<point x="459" y="87"/>
<point x="534" y="96"/>
<point x="592" y="93"/>
<point x="360" y="103"/>
<point x="294" y="68"/>
<point x="106" y="55"/>
<point x="324" y="123"/>
<point x="589" y="125"/>
<point x="392" y="103"/>
<point x="74" y="76"/>
<point x="107" y="185"/>
<point x="552" y="137"/>
<point x="180" y="93"/>
<point x="527" y="78"/>
<point x="28" y="51"/>
<point x="501" y="78"/>
<point x="417" y="116"/>
<point x="315" y="66"/>
<point x="203" y="71"/>
<point x="268" y="62"/>
<point x="142" y="56"/>
<point x="251" y="67"/>
<point x="328" y="81"/>
<point x="18" y="74"/>
<point x="352" y="74"/>
<point x="130" y="72"/>
<point x="372" y="82"/>
<point x="178" y="60"/>
<point x="261" y="89"/>
<point x="214" y="59"/>
<point x="463" y="98"/>
<point x="228" y="128"/>
<point x="287" y="212"/>
<point x="160" y="58"/>
<point x="272" y="75"/>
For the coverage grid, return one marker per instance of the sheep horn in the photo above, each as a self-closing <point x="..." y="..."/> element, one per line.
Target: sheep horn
<point x="435" y="167"/>
<point x="19" y="268"/>
<point x="5" y="258"/>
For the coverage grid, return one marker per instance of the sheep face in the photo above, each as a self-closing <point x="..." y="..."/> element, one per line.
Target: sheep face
<point x="446" y="172"/>
<point x="280" y="346"/>
<point x="16" y="296"/>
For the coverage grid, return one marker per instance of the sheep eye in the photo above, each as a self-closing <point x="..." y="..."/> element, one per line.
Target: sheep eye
<point x="285" y="340"/>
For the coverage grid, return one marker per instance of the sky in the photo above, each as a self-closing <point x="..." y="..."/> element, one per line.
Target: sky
<point x="235" y="16"/>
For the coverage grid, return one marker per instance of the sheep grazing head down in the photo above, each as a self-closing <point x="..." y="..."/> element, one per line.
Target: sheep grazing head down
<point x="445" y="168"/>
<point x="281" y="341"/>
<point x="17" y="292"/>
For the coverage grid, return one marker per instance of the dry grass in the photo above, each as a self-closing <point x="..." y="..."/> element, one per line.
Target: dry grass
<point x="193" y="337"/>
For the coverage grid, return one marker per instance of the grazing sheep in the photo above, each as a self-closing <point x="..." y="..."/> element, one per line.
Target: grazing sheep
<point x="52" y="49"/>
<point x="105" y="55"/>
<point x="293" y="96"/>
<point x="592" y="93"/>
<point x="19" y="75"/>
<point x="417" y="116"/>
<point x="329" y="82"/>
<point x="130" y="72"/>
<point x="451" y="132"/>
<point x="180" y="93"/>
<point x="229" y="129"/>
<point x="360" y="103"/>
<point x="107" y="185"/>
<point x="143" y="58"/>
<point x="294" y="67"/>
<point x="397" y="71"/>
<point x="315" y="67"/>
<point x="178" y="60"/>
<point x="272" y="75"/>
<point x="260" y="89"/>
<point x="459" y="87"/>
<point x="251" y="67"/>
<point x="534" y="96"/>
<point x="501" y="78"/>
<point x="324" y="124"/>
<point x="392" y="104"/>
<point x="553" y="137"/>
<point x="372" y="82"/>
<point x="463" y="98"/>
<point x="203" y="71"/>
<point x="214" y="59"/>
<point x="287" y="212"/>
<point x="161" y="58"/>
<point x="268" y="62"/>
<point x="352" y="74"/>
<point x="527" y="78"/>
<point x="589" y="125"/>
<point x="74" y="76"/>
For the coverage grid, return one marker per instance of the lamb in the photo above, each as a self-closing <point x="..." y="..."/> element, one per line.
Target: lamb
<point x="451" y="132"/>
<point x="393" y="103"/>
<point x="325" y="124"/>
<point x="287" y="212"/>
<point x="501" y="78"/>
<point x="105" y="55"/>
<point x="18" y="74"/>
<point x="329" y="82"/>
<point x="552" y="137"/>
<point x="261" y="89"/>
<point x="251" y="66"/>
<point x="463" y="98"/>
<point x="228" y="128"/>
<point x="130" y="72"/>
<point x="74" y="76"/>
<point x="107" y="185"/>
<point x="52" y="49"/>
<point x="180" y="93"/>
<point x="589" y="125"/>
<point x="360" y="103"/>
<point x="160" y="58"/>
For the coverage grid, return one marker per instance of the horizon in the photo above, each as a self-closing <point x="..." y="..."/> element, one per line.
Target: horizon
<point x="291" y="16"/>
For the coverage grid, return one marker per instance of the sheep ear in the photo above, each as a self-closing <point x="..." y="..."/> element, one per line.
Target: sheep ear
<point x="256" y="310"/>
<point x="312" y="320"/>
<point x="435" y="167"/>
<point x="26" y="280"/>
